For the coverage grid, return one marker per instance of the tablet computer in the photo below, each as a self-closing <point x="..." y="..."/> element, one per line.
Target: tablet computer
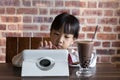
<point x="45" y="63"/>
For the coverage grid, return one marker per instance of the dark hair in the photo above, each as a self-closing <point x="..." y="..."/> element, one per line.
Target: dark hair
<point x="70" y="23"/>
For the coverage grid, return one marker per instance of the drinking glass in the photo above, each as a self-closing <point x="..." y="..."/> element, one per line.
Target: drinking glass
<point x="85" y="49"/>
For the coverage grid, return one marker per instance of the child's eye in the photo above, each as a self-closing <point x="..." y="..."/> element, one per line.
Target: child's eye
<point x="56" y="33"/>
<point x="67" y="37"/>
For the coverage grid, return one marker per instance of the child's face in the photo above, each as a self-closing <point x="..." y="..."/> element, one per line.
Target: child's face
<point x="60" y="39"/>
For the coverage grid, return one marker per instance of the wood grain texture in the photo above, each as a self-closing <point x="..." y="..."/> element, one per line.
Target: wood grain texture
<point x="15" y="45"/>
<point x="103" y="72"/>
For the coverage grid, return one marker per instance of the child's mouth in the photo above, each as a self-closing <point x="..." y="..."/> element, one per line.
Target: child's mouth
<point x="59" y="47"/>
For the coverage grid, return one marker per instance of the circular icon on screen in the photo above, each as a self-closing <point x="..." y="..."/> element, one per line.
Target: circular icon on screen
<point x="45" y="63"/>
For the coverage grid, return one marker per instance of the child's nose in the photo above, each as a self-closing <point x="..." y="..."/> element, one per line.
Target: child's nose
<point x="61" y="39"/>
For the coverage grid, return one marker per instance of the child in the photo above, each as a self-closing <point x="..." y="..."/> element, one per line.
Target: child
<point x="64" y="31"/>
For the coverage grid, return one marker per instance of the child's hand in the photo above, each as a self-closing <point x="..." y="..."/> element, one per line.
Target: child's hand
<point x="48" y="45"/>
<point x="45" y="45"/>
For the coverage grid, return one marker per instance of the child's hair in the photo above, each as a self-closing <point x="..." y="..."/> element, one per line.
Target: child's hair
<point x="69" y="22"/>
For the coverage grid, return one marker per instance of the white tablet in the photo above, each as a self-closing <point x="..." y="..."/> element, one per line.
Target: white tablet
<point x="45" y="63"/>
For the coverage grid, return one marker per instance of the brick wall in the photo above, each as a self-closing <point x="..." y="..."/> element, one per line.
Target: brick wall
<point x="32" y="18"/>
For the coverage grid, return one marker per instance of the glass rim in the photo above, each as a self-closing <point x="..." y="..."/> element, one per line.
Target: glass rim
<point x="85" y="42"/>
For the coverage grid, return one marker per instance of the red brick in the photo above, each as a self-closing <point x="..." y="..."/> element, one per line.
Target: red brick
<point x="89" y="36"/>
<point x="91" y="20"/>
<point x="59" y="3"/>
<point x="117" y="12"/>
<point x="75" y="4"/>
<point x="105" y="36"/>
<point x="108" y="12"/>
<point x="92" y="4"/>
<point x="48" y="19"/>
<point x="102" y="21"/>
<point x="117" y="29"/>
<point x="105" y="59"/>
<point x="11" y="34"/>
<point x="109" y="4"/>
<point x="30" y="27"/>
<point x="27" y="11"/>
<point x="10" y="19"/>
<point x="106" y="44"/>
<point x="69" y="3"/>
<point x="82" y="20"/>
<point x="44" y="28"/>
<point x="2" y="42"/>
<point x="105" y="51"/>
<point x="88" y="12"/>
<point x="112" y="21"/>
<point x="38" y="19"/>
<point x="83" y="4"/>
<point x="75" y="11"/>
<point x="2" y="57"/>
<point x="81" y="36"/>
<point x="2" y="27"/>
<point x="89" y="29"/>
<point x="2" y="10"/>
<point x="116" y="44"/>
<point x="42" y="3"/>
<point x="58" y="11"/>
<point x="27" y="19"/>
<point x="26" y="2"/>
<point x="27" y="34"/>
<point x="12" y="27"/>
<point x="20" y="27"/>
<point x="2" y="50"/>
<point x="107" y="29"/>
<point x="10" y="3"/>
<point x="10" y="10"/>
<point x="42" y="19"/>
<point x="41" y="34"/>
<point x="43" y="11"/>
<point x="97" y="43"/>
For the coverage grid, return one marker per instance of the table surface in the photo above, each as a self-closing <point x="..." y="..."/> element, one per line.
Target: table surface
<point x="102" y="72"/>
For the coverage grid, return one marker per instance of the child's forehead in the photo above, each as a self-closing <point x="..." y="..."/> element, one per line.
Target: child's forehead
<point x="60" y="32"/>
